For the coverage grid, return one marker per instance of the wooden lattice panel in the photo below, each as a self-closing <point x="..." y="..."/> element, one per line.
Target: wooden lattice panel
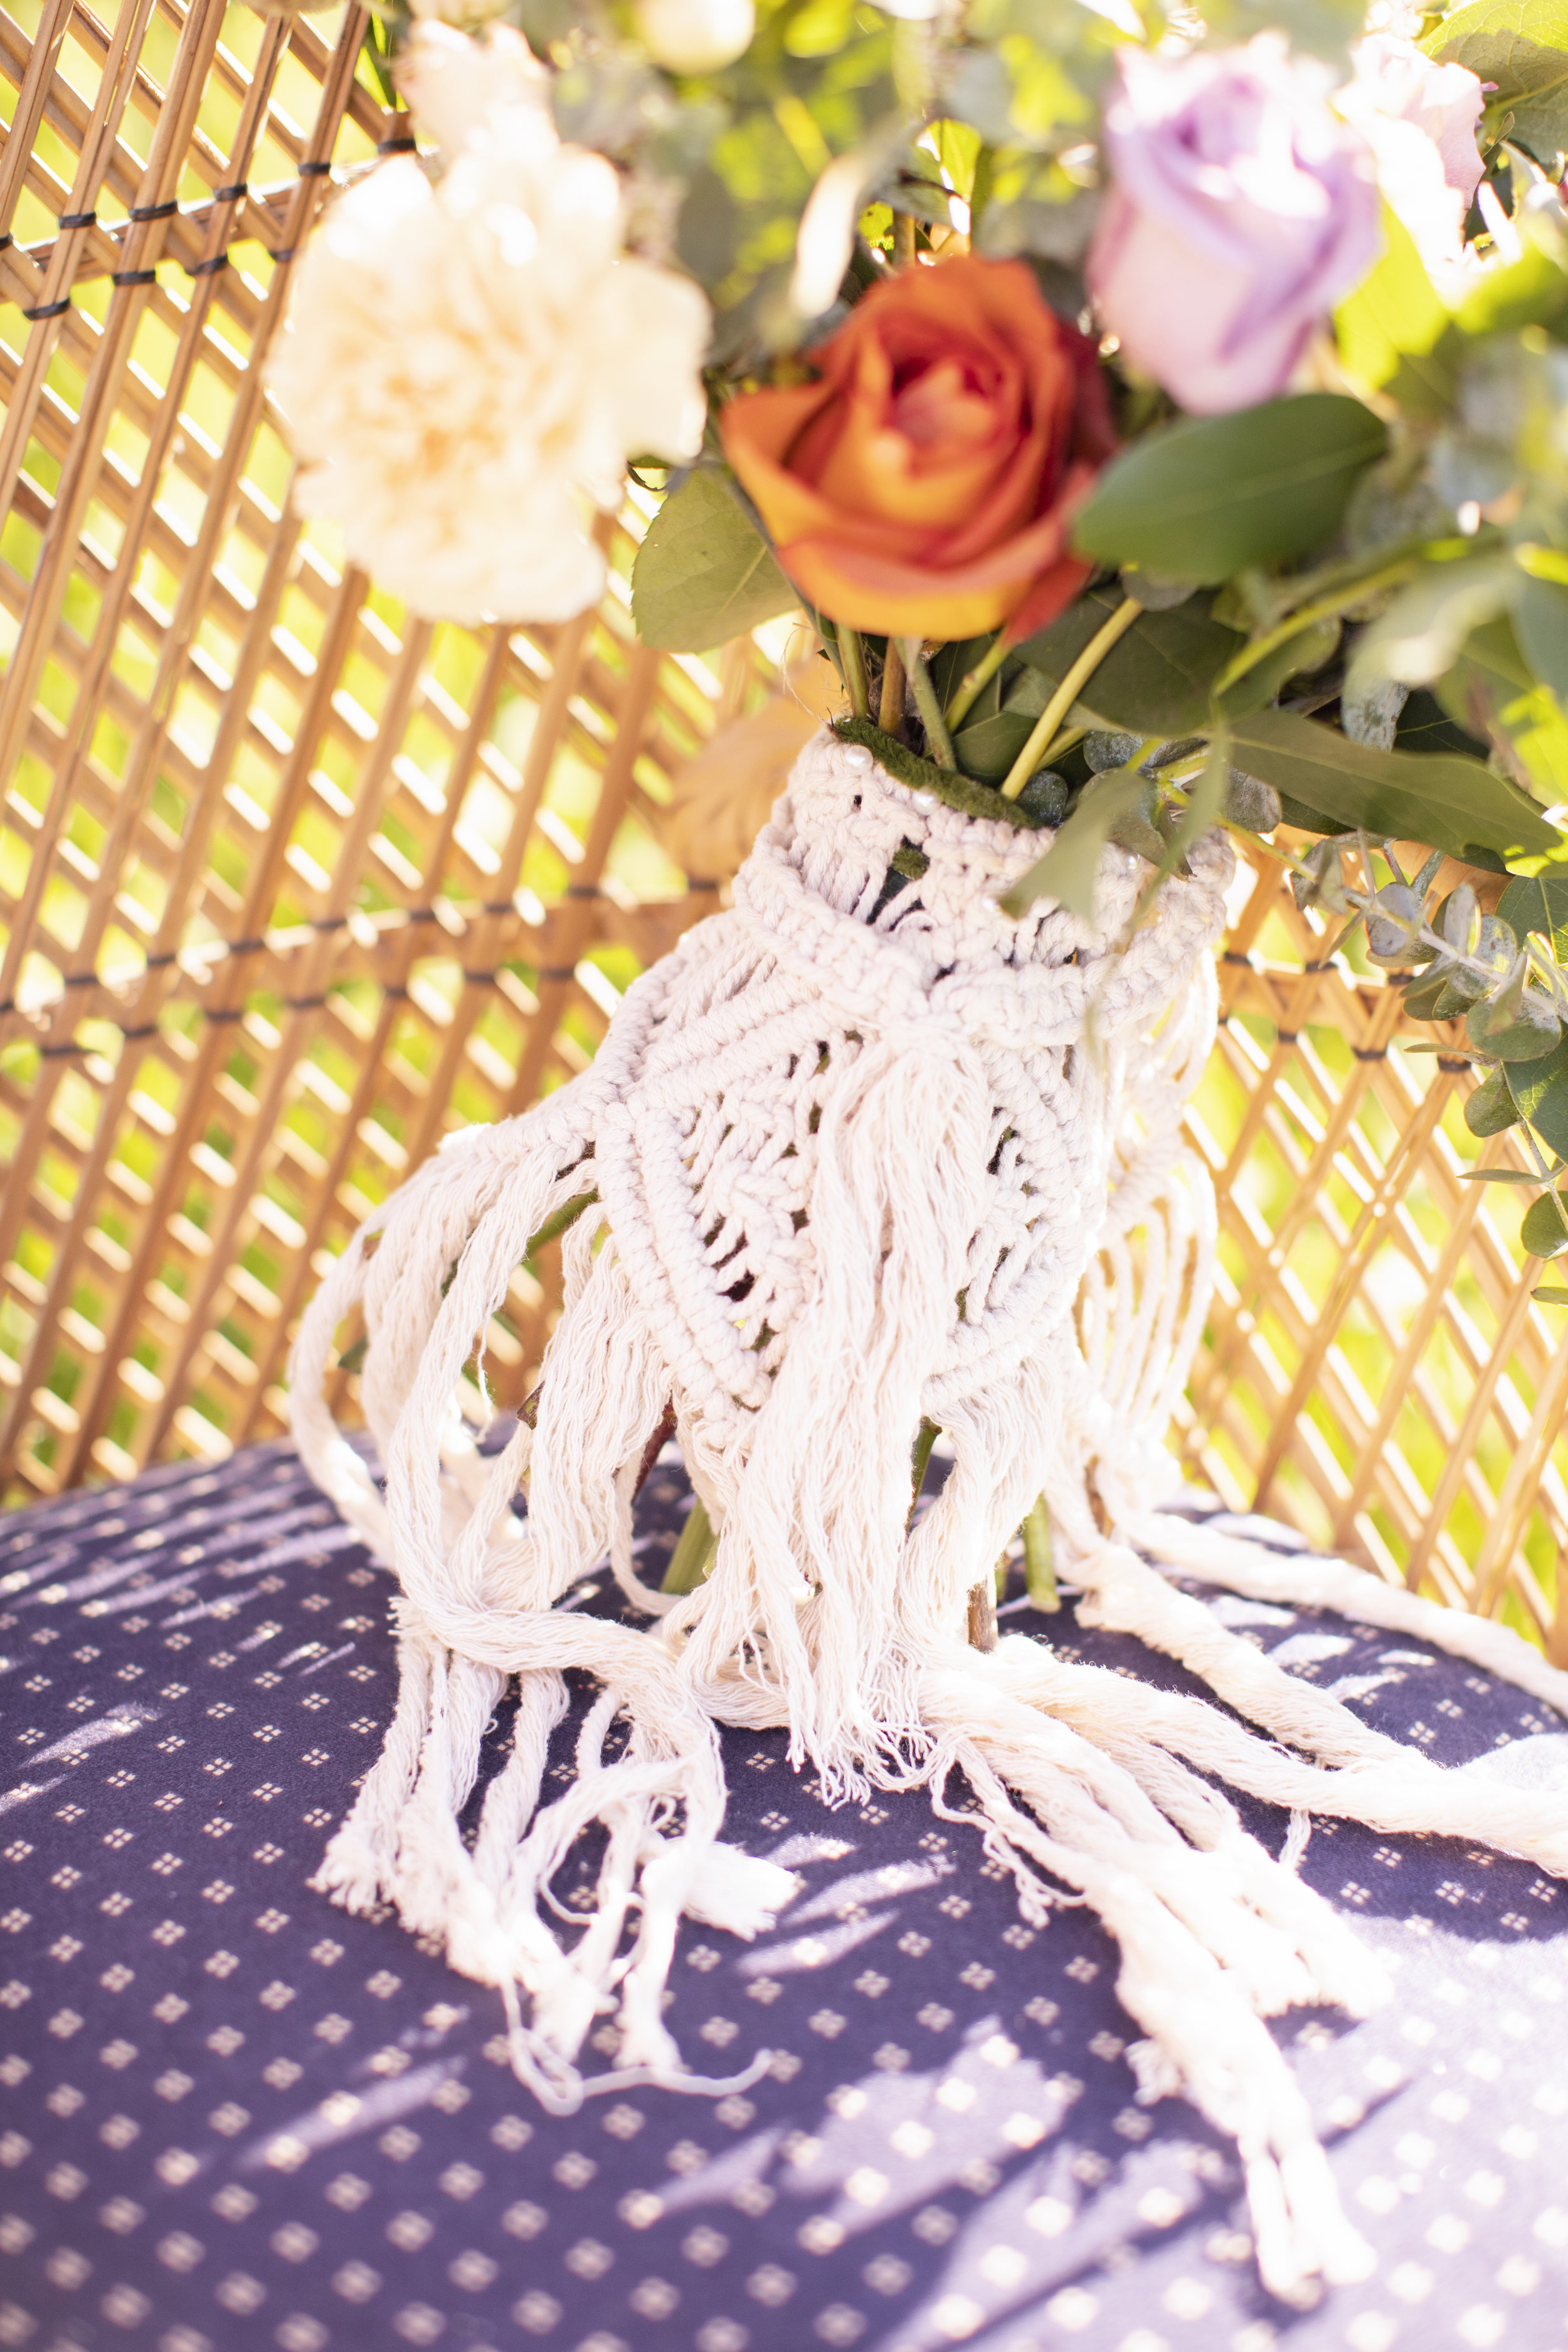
<point x="1376" y="1369"/>
<point x="290" y="883"/>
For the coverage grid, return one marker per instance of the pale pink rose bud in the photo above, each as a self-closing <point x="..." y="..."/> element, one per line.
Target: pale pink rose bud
<point x="1420" y="121"/>
<point x="455" y="86"/>
<point x="1241" y="210"/>
<point x="1394" y="79"/>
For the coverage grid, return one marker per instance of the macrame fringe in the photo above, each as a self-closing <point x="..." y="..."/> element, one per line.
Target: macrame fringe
<point x="844" y="1163"/>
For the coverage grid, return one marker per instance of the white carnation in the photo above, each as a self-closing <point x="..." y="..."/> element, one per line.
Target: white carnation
<point x="466" y="367"/>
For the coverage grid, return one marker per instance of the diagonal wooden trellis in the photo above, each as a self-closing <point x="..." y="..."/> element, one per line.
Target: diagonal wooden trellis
<point x="1375" y="1369"/>
<point x="290" y="885"/>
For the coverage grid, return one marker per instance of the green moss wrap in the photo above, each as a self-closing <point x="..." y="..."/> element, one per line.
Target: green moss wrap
<point x="959" y="791"/>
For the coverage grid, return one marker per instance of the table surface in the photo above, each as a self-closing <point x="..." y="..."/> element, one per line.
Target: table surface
<point x="234" y="2117"/>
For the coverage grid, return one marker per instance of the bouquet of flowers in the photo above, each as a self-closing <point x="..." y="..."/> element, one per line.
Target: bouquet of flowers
<point x="1164" y="427"/>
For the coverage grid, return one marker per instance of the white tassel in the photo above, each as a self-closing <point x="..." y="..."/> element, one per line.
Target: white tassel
<point x="845" y="1162"/>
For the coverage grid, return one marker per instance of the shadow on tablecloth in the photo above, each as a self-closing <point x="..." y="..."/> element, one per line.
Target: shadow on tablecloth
<point x="235" y="2119"/>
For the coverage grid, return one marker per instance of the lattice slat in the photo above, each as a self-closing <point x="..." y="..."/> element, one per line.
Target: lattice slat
<point x="288" y="885"/>
<point x="1374" y="1368"/>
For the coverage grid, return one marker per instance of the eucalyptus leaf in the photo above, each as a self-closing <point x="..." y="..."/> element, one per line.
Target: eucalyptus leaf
<point x="1070" y="869"/>
<point x="1499" y="1176"/>
<point x="1155" y="680"/>
<point x="1424" y="996"/>
<point x="1491" y="1108"/>
<point x="1549" y="1295"/>
<point x="1543" y="1228"/>
<point x="1322" y="27"/>
<point x="1528" y="1036"/>
<point x="705" y="573"/>
<point x="1203" y="498"/>
<point x="1516" y="47"/>
<point x="1449" y="803"/>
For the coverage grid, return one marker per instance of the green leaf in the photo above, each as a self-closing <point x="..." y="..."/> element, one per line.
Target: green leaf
<point x="1489" y="691"/>
<point x="1539" y="903"/>
<point x="705" y="573"/>
<point x="1499" y="1176"/>
<point x="1202" y="499"/>
<point x="1541" y="625"/>
<point x="1491" y="1108"/>
<point x="1449" y="803"/>
<point x="1529" y="292"/>
<point x="1394" y="322"/>
<point x="1543" y="1228"/>
<point x="1423" y="632"/>
<point x="1540" y="1089"/>
<point x="989" y="748"/>
<point x="1551" y="1296"/>
<point x="705" y="228"/>
<point x="1519" y="46"/>
<point x="1155" y="681"/>
<point x="1070" y="867"/>
<point x="1307" y="651"/>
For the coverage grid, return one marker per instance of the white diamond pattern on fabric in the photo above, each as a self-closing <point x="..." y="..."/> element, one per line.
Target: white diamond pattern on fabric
<point x="843" y="1164"/>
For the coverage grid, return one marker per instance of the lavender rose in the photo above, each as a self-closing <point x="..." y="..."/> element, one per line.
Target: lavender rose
<point x="1241" y="210"/>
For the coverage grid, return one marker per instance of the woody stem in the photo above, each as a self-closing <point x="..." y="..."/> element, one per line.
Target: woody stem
<point x="1067" y="693"/>
<point x="852" y="656"/>
<point x="891" y="709"/>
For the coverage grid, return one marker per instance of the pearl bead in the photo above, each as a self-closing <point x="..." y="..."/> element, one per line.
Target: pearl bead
<point x="695" y="36"/>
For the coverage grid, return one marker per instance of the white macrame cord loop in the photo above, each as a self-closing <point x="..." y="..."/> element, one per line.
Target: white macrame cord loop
<point x="865" y="1151"/>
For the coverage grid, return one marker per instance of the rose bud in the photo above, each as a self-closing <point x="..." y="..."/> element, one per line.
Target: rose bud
<point x="1420" y="121"/>
<point x="924" y="484"/>
<point x="1241" y="210"/>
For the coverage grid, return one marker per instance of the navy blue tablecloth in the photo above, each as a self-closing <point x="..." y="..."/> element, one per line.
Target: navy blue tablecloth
<point x="233" y="2117"/>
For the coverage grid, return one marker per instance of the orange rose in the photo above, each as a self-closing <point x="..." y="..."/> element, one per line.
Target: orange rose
<point x="924" y="484"/>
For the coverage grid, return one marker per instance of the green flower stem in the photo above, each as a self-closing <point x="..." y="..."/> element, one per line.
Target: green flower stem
<point x="560" y="1220"/>
<point x="938" y="740"/>
<point x="693" y="1555"/>
<point x="852" y="655"/>
<point x="920" y="1458"/>
<point x="1067" y="694"/>
<point x="973" y="683"/>
<point x="1039" y="1575"/>
<point x="1326" y="608"/>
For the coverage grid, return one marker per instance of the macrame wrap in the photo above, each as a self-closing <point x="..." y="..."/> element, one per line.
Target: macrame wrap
<point x="865" y="1150"/>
